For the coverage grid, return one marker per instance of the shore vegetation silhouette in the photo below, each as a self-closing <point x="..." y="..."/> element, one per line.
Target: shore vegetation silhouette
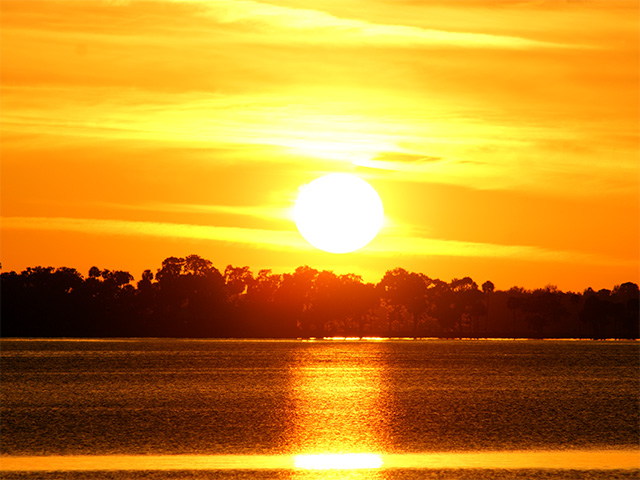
<point x="190" y="298"/>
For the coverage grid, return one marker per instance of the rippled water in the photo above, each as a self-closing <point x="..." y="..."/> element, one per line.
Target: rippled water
<point x="261" y="409"/>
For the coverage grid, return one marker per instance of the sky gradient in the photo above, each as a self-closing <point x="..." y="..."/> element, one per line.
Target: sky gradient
<point x="501" y="136"/>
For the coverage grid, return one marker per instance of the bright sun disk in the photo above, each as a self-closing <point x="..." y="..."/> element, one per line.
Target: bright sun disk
<point x="338" y="213"/>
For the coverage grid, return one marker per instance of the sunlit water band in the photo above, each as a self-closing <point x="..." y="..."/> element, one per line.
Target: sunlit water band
<point x="557" y="460"/>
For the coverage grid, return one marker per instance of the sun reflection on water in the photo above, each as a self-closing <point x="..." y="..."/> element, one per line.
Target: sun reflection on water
<point x="345" y="465"/>
<point x="338" y="393"/>
<point x="338" y="461"/>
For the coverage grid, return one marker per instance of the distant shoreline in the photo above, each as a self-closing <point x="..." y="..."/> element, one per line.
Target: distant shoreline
<point x="325" y="339"/>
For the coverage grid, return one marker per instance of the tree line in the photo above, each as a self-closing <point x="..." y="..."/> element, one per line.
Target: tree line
<point x="189" y="297"/>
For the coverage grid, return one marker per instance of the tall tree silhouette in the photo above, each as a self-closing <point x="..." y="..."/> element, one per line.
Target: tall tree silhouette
<point x="460" y="306"/>
<point x="543" y="307"/>
<point x="294" y="295"/>
<point x="627" y="297"/>
<point x="487" y="287"/>
<point x="358" y="299"/>
<point x="326" y="308"/>
<point x="192" y="298"/>
<point x="515" y="303"/>
<point x="401" y="289"/>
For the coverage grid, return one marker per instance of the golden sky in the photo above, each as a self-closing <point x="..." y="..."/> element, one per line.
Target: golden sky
<point x="502" y="136"/>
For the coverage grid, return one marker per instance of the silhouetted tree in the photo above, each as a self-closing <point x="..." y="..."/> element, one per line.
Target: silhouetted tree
<point x="612" y="313"/>
<point x="627" y="321"/>
<point x="544" y="306"/>
<point x="294" y="297"/>
<point x="237" y="281"/>
<point x="461" y="306"/>
<point x="262" y="315"/>
<point x="325" y="309"/>
<point x="191" y="298"/>
<point x="515" y="303"/>
<point x="487" y="287"/>
<point x="94" y="272"/>
<point x="401" y="289"/>
<point x="358" y="300"/>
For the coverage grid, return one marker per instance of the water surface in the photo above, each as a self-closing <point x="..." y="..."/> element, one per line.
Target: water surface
<point x="253" y="409"/>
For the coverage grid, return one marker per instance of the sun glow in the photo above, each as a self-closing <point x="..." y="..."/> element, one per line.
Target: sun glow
<point x="338" y="213"/>
<point x="344" y="461"/>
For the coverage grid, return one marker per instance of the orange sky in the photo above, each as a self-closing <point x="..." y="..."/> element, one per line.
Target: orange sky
<point x="501" y="136"/>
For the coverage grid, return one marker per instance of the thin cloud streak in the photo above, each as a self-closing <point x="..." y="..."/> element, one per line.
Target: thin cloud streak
<point x="255" y="211"/>
<point x="270" y="239"/>
<point x="413" y="246"/>
<point x="281" y="240"/>
<point x="346" y="31"/>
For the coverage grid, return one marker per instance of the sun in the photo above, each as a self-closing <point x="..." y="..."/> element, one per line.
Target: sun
<point x="338" y="213"/>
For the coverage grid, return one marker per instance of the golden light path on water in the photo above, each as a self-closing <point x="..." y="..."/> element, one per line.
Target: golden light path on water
<point x="333" y="461"/>
<point x="535" y="459"/>
<point x="337" y="396"/>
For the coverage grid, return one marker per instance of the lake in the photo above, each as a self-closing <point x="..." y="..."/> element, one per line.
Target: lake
<point x="294" y="409"/>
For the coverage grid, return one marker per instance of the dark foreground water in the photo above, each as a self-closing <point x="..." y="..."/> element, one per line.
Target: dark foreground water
<point x="211" y="409"/>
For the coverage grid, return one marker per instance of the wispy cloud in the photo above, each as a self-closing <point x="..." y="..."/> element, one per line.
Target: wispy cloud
<point x="347" y="30"/>
<point x="440" y="144"/>
<point x="266" y="239"/>
<point x="257" y="211"/>
<point x="413" y="245"/>
<point x="404" y="157"/>
<point x="391" y="246"/>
